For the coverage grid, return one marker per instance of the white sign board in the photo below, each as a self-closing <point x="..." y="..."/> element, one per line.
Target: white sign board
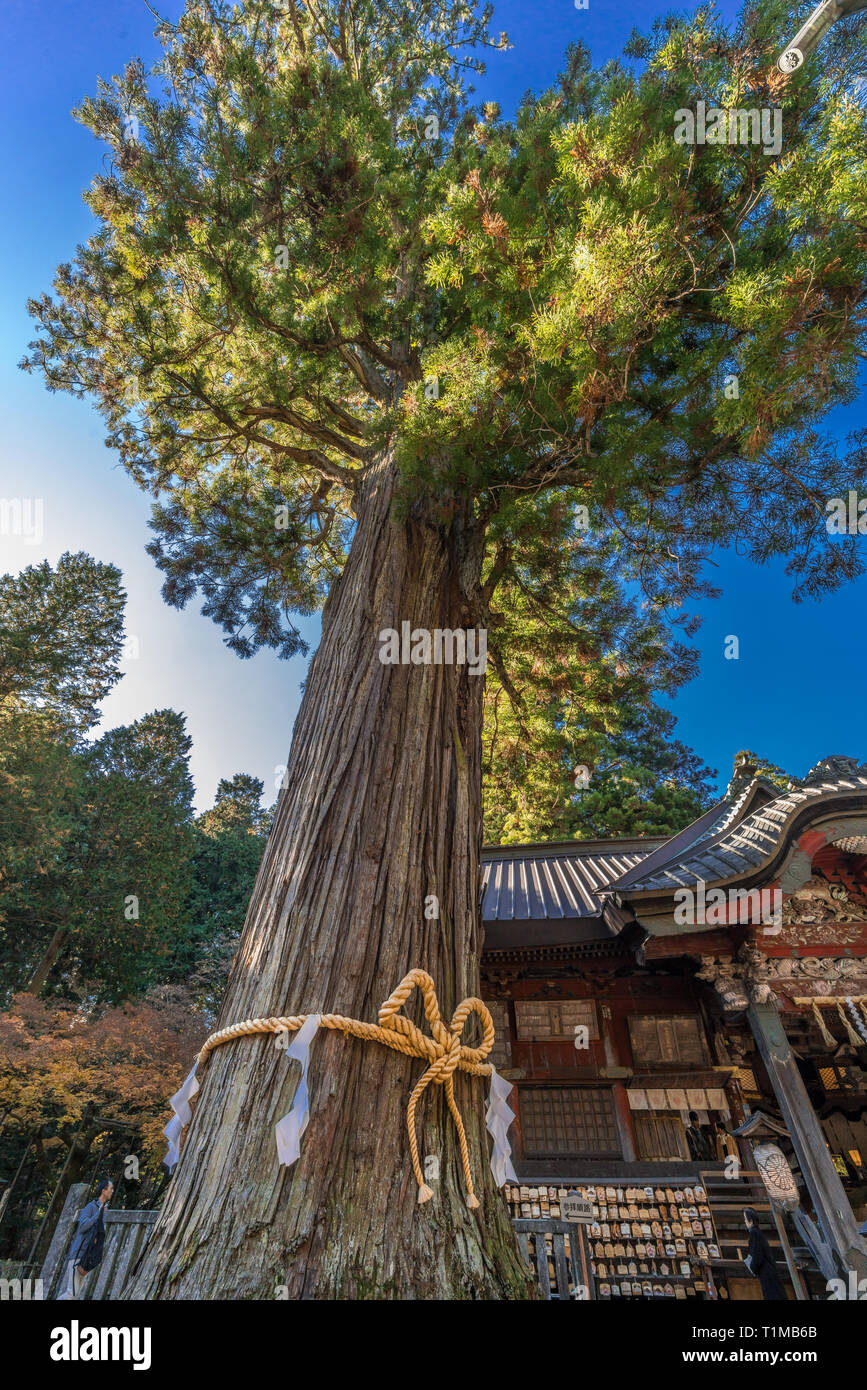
<point x="574" y="1207"/>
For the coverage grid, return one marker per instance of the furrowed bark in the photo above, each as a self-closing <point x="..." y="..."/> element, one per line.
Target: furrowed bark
<point x="381" y="808"/>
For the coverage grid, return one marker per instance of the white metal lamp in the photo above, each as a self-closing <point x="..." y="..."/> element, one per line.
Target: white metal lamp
<point x="796" y="53"/>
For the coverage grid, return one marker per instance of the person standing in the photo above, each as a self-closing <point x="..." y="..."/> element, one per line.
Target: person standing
<point x="760" y="1261"/>
<point x="86" y="1250"/>
<point x="725" y="1144"/>
<point x="699" y="1149"/>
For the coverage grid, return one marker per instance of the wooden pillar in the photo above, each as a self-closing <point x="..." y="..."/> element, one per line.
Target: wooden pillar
<point x="623" y="1114"/>
<point x="833" y="1212"/>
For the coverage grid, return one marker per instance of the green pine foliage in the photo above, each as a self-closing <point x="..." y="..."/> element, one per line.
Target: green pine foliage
<point x="312" y="249"/>
<point x="229" y="840"/>
<point x="552" y="774"/>
<point x="61" y="637"/>
<point x="106" y="879"/>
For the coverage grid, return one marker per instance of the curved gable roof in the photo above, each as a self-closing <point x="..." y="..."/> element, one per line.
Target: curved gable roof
<point x="741" y="839"/>
<point x="554" y="882"/>
<point x="556" y="893"/>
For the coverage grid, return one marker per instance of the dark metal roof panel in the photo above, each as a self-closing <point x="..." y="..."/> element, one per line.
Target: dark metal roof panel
<point x="550" y="887"/>
<point x="569" y="880"/>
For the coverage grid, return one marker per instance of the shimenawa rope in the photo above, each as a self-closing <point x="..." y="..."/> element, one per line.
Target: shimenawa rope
<point x="443" y="1051"/>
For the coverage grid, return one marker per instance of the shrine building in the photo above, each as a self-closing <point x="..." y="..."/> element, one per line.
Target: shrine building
<point x="720" y="973"/>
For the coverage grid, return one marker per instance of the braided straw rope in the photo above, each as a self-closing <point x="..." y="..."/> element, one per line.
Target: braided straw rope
<point x="443" y="1051"/>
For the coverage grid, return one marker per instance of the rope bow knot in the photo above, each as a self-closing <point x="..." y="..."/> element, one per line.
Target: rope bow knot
<point x="446" y="1054"/>
<point x="443" y="1051"/>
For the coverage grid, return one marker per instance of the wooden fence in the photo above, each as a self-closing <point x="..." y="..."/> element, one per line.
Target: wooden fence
<point x="556" y="1255"/>
<point x="125" y="1234"/>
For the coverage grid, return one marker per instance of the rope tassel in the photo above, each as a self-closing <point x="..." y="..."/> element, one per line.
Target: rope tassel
<point x="449" y="1055"/>
<point x="827" y="1038"/>
<point x="853" y="1037"/>
<point x="443" y="1051"/>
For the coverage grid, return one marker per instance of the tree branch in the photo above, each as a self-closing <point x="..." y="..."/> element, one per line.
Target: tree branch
<point x="314" y="428"/>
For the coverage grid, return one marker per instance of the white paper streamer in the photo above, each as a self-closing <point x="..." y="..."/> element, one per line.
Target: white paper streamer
<point x="180" y="1103"/>
<point x="859" y="1023"/>
<point x="498" y="1117"/>
<point x="292" y="1126"/>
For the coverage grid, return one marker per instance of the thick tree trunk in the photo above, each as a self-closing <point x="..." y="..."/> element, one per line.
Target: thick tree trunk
<point x="381" y="810"/>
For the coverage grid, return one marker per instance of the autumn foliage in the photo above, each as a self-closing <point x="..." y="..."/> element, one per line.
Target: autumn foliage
<point x="54" y="1060"/>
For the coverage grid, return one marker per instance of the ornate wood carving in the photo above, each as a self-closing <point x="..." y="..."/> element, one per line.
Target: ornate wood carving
<point x="818" y="913"/>
<point x="750" y="977"/>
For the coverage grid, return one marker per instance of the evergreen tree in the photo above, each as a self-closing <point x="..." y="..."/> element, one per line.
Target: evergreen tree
<point x="229" y="840"/>
<point x="104" y="908"/>
<point x="41" y="791"/>
<point x="237" y="806"/>
<point x="550" y="777"/>
<point x="61" y="637"/>
<point x="355" y="336"/>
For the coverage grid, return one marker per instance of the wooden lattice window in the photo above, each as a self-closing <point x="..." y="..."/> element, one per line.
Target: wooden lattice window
<point x="667" y="1041"/>
<point x="500" y="1055"/>
<point x="537" y="1019"/>
<point x="842" y="1078"/>
<point x="659" y="1137"/>
<point x="749" y="1085"/>
<point x="567" y="1121"/>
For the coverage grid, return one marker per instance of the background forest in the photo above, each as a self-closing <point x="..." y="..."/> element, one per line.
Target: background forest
<point x="119" y="908"/>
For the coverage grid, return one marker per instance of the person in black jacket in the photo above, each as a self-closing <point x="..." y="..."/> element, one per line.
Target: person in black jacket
<point x="699" y="1149"/>
<point x="760" y="1261"/>
<point x="88" y="1242"/>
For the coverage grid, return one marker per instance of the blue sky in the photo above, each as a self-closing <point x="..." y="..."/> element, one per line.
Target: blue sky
<point x="795" y="694"/>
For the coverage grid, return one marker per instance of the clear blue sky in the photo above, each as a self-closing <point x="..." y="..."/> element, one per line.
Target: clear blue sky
<point x="795" y="694"/>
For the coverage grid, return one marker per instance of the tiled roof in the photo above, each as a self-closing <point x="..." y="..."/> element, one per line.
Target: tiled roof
<point x="570" y="881"/>
<point x="736" y="846"/>
<point x="555" y="882"/>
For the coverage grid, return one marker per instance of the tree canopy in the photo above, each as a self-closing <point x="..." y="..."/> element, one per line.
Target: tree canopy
<point x="96" y="893"/>
<point x="107" y="884"/>
<point x="312" y="249"/>
<point x="552" y="773"/>
<point x="61" y="637"/>
<point x="229" y="839"/>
